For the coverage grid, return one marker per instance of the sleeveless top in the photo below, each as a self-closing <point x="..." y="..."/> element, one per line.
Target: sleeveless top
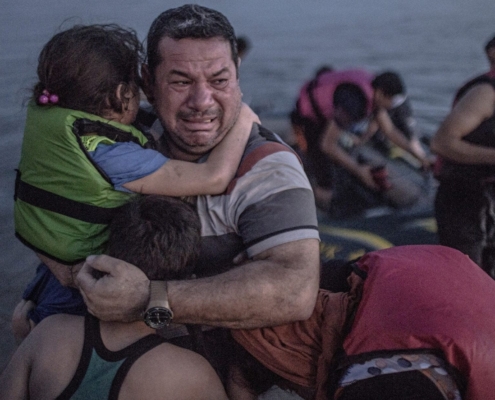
<point x="101" y="372"/>
<point x="482" y="135"/>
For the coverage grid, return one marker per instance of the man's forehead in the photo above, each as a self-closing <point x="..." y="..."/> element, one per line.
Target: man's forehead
<point x="195" y="50"/>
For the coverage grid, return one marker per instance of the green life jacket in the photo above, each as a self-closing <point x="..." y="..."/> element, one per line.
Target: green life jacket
<point x="63" y="200"/>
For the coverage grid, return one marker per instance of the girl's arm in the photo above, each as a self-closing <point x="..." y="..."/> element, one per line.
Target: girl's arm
<point x="182" y="178"/>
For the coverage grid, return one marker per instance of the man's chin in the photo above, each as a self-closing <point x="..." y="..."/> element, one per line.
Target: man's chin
<point x="197" y="148"/>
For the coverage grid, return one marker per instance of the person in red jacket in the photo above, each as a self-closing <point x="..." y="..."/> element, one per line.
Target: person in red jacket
<point x="330" y="109"/>
<point x="417" y="322"/>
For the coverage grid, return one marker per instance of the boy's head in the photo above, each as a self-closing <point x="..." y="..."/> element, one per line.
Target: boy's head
<point x="386" y="86"/>
<point x="92" y="68"/>
<point x="160" y="235"/>
<point x="350" y="104"/>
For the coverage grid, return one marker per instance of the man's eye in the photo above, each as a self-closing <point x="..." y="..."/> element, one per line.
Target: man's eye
<point x="181" y="83"/>
<point x="220" y="82"/>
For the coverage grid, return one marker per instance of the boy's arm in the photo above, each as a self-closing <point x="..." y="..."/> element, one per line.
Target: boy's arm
<point x="14" y="380"/>
<point x="387" y="127"/>
<point x="182" y="178"/>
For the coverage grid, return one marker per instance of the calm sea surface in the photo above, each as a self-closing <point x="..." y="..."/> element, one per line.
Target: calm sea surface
<point x="434" y="44"/>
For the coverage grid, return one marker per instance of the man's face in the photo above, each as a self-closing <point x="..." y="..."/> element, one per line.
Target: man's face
<point x="196" y="94"/>
<point x="380" y="100"/>
<point x="490" y="54"/>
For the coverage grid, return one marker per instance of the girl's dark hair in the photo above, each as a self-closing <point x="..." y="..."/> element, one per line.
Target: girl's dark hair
<point x="84" y="66"/>
<point x="160" y="235"/>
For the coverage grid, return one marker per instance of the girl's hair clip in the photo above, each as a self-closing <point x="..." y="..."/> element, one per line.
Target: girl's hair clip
<point x="46" y="98"/>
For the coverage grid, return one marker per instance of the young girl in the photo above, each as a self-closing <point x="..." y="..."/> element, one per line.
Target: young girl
<point x="81" y="160"/>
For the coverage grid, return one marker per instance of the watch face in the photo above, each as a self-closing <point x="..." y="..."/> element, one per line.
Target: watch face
<point x="158" y="317"/>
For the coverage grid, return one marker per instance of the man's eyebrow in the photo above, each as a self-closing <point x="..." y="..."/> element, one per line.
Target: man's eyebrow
<point x="180" y="73"/>
<point x="220" y="72"/>
<point x="186" y="75"/>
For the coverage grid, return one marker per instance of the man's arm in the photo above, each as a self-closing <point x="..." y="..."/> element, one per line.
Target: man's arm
<point x="331" y="147"/>
<point x="279" y="286"/>
<point x="387" y="127"/>
<point x="477" y="105"/>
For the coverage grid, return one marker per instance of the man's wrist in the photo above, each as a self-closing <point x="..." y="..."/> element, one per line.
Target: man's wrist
<point x="158" y="313"/>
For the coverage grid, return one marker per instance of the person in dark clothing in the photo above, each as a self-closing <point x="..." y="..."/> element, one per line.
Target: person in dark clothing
<point x="465" y="199"/>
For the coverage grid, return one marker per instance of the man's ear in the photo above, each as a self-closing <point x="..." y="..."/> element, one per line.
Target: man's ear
<point x="147" y="83"/>
<point x="238" y="66"/>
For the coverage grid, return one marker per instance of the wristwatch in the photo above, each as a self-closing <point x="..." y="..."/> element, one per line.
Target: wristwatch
<point x="158" y="314"/>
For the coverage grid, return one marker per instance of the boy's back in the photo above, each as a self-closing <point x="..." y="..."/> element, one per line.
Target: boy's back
<point x="47" y="360"/>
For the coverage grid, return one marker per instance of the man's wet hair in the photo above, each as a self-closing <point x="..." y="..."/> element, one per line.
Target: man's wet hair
<point x="390" y="83"/>
<point x="159" y="234"/>
<point x="85" y="65"/>
<point x="190" y="21"/>
<point x="490" y="44"/>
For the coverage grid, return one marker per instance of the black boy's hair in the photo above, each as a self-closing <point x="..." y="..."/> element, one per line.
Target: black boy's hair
<point x="160" y="235"/>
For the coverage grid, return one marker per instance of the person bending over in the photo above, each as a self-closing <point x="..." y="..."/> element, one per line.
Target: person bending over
<point x="408" y="328"/>
<point x="329" y="107"/>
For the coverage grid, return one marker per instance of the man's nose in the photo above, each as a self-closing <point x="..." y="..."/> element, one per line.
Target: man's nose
<point x="201" y="97"/>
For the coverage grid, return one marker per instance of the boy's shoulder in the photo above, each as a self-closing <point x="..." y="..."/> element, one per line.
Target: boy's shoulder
<point x="171" y="369"/>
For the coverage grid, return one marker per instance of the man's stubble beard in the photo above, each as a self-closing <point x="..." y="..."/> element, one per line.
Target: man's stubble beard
<point x="181" y="148"/>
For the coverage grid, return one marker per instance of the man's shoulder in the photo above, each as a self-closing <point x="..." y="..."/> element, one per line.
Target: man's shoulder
<point x="483" y="79"/>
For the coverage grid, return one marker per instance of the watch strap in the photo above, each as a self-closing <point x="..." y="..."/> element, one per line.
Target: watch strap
<point x="158" y="295"/>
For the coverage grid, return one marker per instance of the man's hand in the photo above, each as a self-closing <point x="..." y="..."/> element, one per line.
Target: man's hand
<point x="121" y="294"/>
<point x="365" y="175"/>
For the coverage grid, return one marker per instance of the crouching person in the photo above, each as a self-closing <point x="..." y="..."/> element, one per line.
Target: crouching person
<point x="417" y="323"/>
